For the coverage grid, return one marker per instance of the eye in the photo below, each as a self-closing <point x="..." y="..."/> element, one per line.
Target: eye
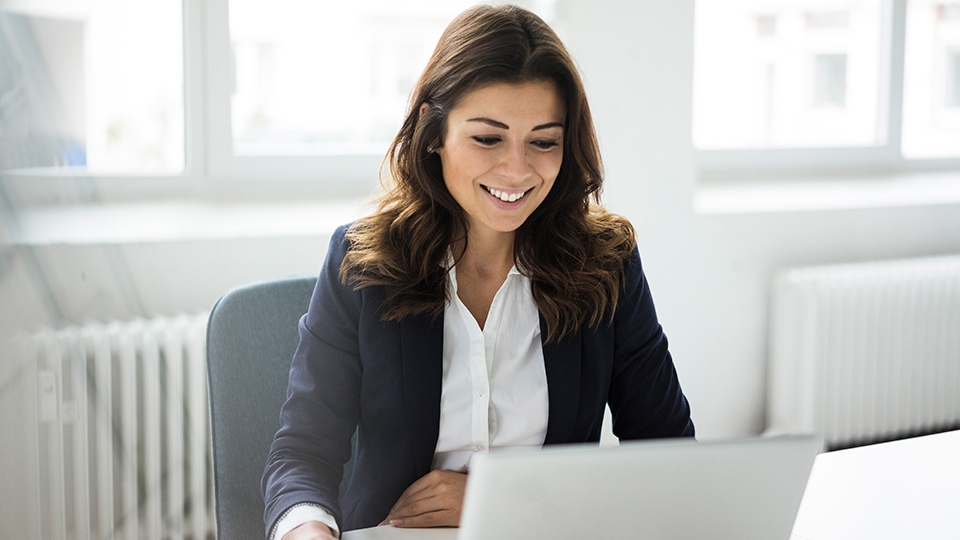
<point x="486" y="141"/>
<point x="545" y="144"/>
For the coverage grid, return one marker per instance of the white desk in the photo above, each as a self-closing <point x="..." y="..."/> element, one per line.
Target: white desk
<point x="392" y="533"/>
<point x="902" y="490"/>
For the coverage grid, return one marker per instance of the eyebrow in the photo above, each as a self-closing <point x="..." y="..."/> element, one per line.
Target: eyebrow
<point x="501" y="125"/>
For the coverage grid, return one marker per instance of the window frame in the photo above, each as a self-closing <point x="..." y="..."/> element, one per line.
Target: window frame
<point x="66" y="185"/>
<point x="731" y="165"/>
<point x="210" y="169"/>
<point x="325" y="172"/>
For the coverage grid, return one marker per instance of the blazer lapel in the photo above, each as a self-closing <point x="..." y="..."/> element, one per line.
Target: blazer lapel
<point x="421" y="343"/>
<point x="562" y="362"/>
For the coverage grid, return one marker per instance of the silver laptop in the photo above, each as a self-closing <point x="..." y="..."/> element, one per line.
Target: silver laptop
<point x="748" y="489"/>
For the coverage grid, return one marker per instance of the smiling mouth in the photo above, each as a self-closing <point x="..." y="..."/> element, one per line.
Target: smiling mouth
<point x="507" y="197"/>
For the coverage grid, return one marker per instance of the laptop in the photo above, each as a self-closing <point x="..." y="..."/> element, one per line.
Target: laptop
<point x="745" y="489"/>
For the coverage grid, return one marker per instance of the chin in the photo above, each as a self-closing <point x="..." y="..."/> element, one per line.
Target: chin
<point x="504" y="227"/>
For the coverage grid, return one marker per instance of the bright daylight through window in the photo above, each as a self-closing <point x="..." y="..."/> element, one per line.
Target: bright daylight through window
<point x="98" y="82"/>
<point x="818" y="73"/>
<point x="787" y="73"/>
<point x="931" y="106"/>
<point x="327" y="78"/>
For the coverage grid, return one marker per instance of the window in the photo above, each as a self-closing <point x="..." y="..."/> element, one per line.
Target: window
<point x="316" y="90"/>
<point x="327" y="78"/>
<point x="838" y="85"/>
<point x="800" y="76"/>
<point x="93" y="86"/>
<point x="931" y="105"/>
<point x="145" y="98"/>
<point x="953" y="79"/>
<point x="830" y="81"/>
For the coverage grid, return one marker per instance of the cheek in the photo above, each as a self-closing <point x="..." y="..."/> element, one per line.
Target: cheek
<point x="457" y="172"/>
<point x="548" y="165"/>
<point x="466" y="163"/>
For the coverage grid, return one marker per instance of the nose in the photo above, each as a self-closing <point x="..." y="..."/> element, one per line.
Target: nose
<point x="514" y="164"/>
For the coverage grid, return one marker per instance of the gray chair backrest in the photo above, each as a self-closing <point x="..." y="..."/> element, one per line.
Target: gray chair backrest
<point x="251" y="337"/>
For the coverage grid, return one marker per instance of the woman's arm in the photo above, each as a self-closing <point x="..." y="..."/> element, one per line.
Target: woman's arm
<point x="645" y="398"/>
<point x="305" y="464"/>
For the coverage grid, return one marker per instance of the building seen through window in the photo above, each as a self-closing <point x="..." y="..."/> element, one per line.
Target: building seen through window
<point x="931" y="106"/>
<point x="787" y="74"/>
<point x="819" y="73"/>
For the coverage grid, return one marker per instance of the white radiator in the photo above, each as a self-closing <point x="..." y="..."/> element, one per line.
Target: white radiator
<point x="866" y="352"/>
<point x="123" y="435"/>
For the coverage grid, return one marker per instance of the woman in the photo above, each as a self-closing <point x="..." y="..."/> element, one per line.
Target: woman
<point x="487" y="303"/>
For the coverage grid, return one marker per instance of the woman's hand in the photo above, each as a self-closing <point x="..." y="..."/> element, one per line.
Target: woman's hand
<point x="311" y="530"/>
<point x="432" y="501"/>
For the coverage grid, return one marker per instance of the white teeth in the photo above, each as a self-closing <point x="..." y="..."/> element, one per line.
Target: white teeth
<point x="506" y="197"/>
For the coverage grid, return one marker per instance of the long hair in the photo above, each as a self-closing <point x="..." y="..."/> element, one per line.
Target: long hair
<point x="573" y="251"/>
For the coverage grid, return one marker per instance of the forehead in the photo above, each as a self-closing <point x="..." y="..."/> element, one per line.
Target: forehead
<point x="535" y="102"/>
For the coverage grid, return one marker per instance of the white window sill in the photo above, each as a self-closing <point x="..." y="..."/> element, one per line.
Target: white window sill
<point x="902" y="190"/>
<point x="181" y="221"/>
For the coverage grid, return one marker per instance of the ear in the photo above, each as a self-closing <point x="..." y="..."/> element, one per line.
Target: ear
<point x="434" y="146"/>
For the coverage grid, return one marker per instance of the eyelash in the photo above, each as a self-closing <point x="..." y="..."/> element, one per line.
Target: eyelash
<point x="487" y="141"/>
<point x="490" y="141"/>
<point x="545" y="145"/>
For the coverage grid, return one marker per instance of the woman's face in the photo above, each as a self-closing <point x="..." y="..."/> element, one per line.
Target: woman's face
<point x="502" y="152"/>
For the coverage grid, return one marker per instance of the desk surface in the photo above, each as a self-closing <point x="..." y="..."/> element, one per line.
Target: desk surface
<point x="893" y="491"/>
<point x="392" y="533"/>
<point x="897" y="490"/>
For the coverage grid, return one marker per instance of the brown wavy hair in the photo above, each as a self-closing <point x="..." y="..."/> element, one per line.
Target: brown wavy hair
<point x="572" y="250"/>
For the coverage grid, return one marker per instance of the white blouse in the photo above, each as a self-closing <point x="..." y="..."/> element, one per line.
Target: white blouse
<point x="494" y="392"/>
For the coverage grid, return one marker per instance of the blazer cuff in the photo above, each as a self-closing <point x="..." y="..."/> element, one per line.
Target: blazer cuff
<point x="301" y="513"/>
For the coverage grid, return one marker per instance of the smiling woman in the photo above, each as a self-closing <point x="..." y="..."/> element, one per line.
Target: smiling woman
<point x="489" y="302"/>
<point x="502" y="153"/>
<point x="482" y="69"/>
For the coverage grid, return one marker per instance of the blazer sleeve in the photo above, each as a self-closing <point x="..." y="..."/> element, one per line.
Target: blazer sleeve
<point x="645" y="398"/>
<point x="305" y="463"/>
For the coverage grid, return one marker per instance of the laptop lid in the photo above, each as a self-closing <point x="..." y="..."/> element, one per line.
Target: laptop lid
<point x="747" y="489"/>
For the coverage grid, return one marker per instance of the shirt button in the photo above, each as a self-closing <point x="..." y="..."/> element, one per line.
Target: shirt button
<point x="481" y="390"/>
<point x="480" y="447"/>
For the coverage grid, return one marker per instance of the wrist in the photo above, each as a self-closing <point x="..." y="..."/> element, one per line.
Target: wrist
<point x="303" y="513"/>
<point x="313" y="530"/>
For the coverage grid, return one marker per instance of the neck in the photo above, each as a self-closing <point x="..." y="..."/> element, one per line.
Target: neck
<point x="487" y="252"/>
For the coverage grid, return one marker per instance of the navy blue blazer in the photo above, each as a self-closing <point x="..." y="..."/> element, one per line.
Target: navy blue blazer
<point x="354" y="372"/>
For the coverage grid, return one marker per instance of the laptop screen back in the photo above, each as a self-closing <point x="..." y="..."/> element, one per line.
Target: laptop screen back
<point x="678" y="489"/>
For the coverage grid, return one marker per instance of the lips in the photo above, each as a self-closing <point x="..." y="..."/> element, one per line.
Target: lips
<point x="507" y="196"/>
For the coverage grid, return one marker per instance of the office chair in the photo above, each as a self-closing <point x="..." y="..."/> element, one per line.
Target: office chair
<point x="251" y="337"/>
